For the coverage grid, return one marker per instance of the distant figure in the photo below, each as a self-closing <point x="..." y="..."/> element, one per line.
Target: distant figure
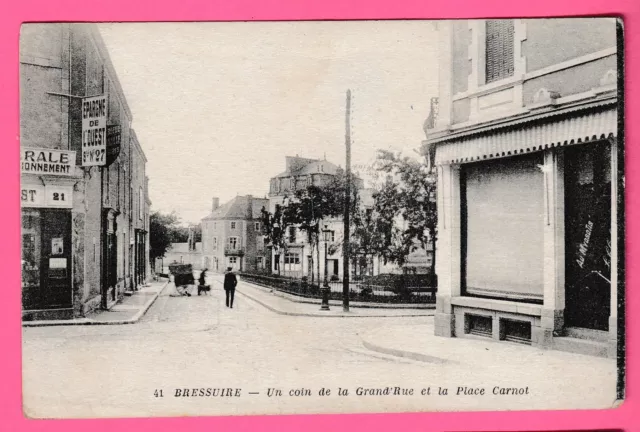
<point x="202" y="282"/>
<point x="230" y="282"/>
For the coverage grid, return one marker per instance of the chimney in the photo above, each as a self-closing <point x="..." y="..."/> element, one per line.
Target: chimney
<point x="215" y="204"/>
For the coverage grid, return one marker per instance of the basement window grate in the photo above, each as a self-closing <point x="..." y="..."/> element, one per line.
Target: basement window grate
<point x="515" y="331"/>
<point x="480" y="325"/>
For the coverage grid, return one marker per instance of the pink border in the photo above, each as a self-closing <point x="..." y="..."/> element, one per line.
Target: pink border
<point x="200" y="10"/>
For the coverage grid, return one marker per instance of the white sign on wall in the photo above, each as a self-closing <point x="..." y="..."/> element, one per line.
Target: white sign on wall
<point x="94" y="131"/>
<point x="50" y="196"/>
<point x="46" y="161"/>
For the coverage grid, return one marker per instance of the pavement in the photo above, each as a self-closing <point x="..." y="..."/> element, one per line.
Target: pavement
<point x="196" y="342"/>
<point x="128" y="310"/>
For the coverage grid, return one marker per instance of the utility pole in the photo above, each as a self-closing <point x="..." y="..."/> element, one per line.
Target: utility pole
<point x="347" y="205"/>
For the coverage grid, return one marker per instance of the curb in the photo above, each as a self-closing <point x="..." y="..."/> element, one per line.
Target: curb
<point x="358" y="305"/>
<point x="306" y="314"/>
<point x="405" y="354"/>
<point x="86" y="321"/>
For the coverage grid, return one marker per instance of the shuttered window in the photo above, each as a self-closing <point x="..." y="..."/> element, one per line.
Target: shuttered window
<point x="499" y="49"/>
<point x="503" y="219"/>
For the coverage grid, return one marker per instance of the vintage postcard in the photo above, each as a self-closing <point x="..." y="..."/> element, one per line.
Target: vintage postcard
<point x="249" y="218"/>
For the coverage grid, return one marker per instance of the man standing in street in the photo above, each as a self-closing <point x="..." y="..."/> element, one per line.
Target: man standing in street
<point x="230" y="282"/>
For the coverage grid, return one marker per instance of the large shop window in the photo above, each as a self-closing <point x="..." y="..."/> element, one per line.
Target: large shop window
<point x="46" y="259"/>
<point x="502" y="236"/>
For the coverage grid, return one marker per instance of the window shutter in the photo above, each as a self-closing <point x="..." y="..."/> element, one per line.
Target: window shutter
<point x="499" y="49"/>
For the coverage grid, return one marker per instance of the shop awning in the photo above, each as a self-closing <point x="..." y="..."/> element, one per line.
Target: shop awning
<point x="534" y="135"/>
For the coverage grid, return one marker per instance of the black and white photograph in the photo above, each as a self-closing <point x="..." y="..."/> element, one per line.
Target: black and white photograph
<point x="321" y="217"/>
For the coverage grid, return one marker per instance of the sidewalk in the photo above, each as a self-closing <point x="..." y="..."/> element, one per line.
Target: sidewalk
<point x="285" y="304"/>
<point x="129" y="310"/>
<point x="418" y="342"/>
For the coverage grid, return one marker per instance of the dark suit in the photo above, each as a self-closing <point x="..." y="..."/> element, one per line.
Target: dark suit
<point x="230" y="282"/>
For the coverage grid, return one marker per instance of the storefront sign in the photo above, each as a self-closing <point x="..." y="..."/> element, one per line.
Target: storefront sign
<point x="49" y="162"/>
<point x="583" y="248"/>
<point x="52" y="196"/>
<point x="57" y="263"/>
<point x="57" y="246"/>
<point x="94" y="131"/>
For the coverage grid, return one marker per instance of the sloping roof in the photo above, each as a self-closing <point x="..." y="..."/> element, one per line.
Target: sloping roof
<point x="302" y="166"/>
<point x="240" y="207"/>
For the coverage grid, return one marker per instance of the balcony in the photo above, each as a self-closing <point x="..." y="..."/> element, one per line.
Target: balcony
<point x="234" y="251"/>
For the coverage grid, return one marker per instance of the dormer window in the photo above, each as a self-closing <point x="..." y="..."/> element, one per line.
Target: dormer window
<point x="499" y="50"/>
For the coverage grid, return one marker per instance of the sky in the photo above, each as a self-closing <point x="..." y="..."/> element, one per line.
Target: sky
<point x="217" y="106"/>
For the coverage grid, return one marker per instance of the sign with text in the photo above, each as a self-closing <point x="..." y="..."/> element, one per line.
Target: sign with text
<point x="94" y="131"/>
<point x="50" y="196"/>
<point x="46" y="161"/>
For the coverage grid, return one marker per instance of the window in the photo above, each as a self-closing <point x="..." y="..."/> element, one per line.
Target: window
<point x="503" y="221"/>
<point x="233" y="225"/>
<point x="233" y="260"/>
<point x="292" y="234"/>
<point x="233" y="243"/>
<point x="260" y="262"/>
<point x="140" y="204"/>
<point x="329" y="236"/>
<point x="292" y="258"/>
<point x="259" y="243"/>
<point x="257" y="226"/>
<point x="215" y="243"/>
<point x="499" y="50"/>
<point x="276" y="262"/>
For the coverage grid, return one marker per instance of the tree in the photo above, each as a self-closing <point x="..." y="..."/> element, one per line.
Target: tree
<point x="409" y="192"/>
<point x="274" y="227"/>
<point x="161" y="233"/>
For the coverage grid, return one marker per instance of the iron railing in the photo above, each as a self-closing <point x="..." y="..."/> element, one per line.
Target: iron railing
<point x="397" y="289"/>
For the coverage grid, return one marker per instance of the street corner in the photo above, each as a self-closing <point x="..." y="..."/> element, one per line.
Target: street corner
<point x="399" y="341"/>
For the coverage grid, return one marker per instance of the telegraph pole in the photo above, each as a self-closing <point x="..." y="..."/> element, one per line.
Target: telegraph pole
<point x="347" y="208"/>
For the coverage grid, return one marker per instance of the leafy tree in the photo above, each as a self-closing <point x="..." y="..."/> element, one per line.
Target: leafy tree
<point x="410" y="193"/>
<point x="274" y="227"/>
<point x="162" y="228"/>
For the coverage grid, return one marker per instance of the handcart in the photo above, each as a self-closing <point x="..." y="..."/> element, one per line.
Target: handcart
<point x="182" y="278"/>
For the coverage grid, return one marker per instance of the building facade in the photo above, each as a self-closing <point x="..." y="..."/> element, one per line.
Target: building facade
<point x="299" y="259"/>
<point x="526" y="152"/>
<point x="77" y="222"/>
<point x="232" y="235"/>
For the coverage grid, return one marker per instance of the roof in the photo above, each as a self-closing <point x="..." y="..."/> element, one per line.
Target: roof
<point x="297" y="166"/>
<point x="240" y="207"/>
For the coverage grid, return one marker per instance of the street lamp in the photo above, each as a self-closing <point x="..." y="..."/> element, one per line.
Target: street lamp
<point x="325" y="288"/>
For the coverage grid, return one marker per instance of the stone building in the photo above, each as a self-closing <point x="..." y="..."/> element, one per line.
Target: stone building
<point x="232" y="235"/>
<point x="526" y="153"/>
<point x="79" y="224"/>
<point x="298" y="260"/>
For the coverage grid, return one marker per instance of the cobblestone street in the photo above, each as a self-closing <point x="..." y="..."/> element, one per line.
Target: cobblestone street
<point x="196" y="342"/>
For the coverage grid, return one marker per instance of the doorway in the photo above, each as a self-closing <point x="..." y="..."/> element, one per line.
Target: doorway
<point x="588" y="236"/>
<point x="46" y="259"/>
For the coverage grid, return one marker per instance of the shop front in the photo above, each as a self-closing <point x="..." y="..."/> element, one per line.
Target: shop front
<point x="528" y="230"/>
<point x="46" y="197"/>
<point x="140" y="261"/>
